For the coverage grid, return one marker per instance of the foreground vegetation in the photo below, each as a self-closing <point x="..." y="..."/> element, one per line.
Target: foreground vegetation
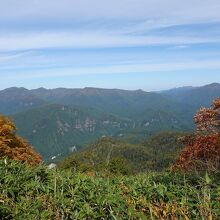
<point x="39" y="193"/>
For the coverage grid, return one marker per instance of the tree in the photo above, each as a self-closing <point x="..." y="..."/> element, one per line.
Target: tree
<point x="13" y="146"/>
<point x="202" y="149"/>
<point x="119" y="165"/>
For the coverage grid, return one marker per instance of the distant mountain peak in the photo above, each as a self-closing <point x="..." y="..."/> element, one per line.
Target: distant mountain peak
<point x="212" y="85"/>
<point x="15" y="89"/>
<point x="41" y="88"/>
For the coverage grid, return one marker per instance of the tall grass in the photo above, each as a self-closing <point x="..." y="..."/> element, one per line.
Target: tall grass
<point x="38" y="193"/>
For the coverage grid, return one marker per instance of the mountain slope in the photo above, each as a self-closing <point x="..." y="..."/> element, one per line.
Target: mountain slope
<point x="56" y="129"/>
<point x="123" y="103"/>
<point x="196" y="96"/>
<point x="157" y="153"/>
<point x="14" y="100"/>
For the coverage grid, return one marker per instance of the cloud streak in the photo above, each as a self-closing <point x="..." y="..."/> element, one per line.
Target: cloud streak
<point x="116" y="69"/>
<point x="50" y="40"/>
<point x="38" y="24"/>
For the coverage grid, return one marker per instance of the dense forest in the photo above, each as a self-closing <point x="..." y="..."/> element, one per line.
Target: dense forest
<point x="155" y="154"/>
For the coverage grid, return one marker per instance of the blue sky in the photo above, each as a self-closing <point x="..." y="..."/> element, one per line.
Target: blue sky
<point x="129" y="44"/>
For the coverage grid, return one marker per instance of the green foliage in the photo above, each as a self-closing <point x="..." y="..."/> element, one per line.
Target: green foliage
<point x="109" y="155"/>
<point x="155" y="154"/>
<point x="38" y="193"/>
<point x="164" y="149"/>
<point x="119" y="165"/>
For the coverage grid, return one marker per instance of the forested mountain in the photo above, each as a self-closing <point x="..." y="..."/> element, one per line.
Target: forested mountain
<point x="157" y="153"/>
<point x="60" y="127"/>
<point x="13" y="100"/>
<point x="116" y="101"/>
<point x="121" y="102"/>
<point x="196" y="96"/>
<point x="63" y="129"/>
<point x="55" y="120"/>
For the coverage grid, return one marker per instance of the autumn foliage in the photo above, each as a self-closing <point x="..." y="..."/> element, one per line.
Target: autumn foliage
<point x="202" y="149"/>
<point x="13" y="146"/>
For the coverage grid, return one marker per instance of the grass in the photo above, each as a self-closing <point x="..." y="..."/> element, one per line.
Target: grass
<point x="39" y="193"/>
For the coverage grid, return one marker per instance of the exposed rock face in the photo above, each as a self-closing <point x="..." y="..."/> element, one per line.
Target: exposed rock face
<point x="73" y="149"/>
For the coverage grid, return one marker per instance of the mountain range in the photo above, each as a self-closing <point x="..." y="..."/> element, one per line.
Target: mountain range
<point x="58" y="121"/>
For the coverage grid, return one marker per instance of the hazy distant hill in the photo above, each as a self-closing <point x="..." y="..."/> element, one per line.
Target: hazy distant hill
<point x="196" y="96"/>
<point x="120" y="102"/>
<point x="13" y="100"/>
<point x="178" y="90"/>
<point x="145" y="108"/>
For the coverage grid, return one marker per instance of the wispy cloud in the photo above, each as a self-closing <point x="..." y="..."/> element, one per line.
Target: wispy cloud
<point x="180" y="47"/>
<point x="50" y="40"/>
<point x="38" y="24"/>
<point x="116" y="69"/>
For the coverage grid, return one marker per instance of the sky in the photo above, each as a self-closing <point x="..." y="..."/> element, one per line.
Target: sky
<point x="127" y="44"/>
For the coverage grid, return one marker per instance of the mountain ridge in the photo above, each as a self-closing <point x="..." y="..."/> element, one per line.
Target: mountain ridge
<point x="145" y="113"/>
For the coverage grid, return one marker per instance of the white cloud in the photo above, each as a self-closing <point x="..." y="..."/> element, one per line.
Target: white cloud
<point x="101" y="23"/>
<point x="44" y="40"/>
<point x="180" y="47"/>
<point x="116" y="69"/>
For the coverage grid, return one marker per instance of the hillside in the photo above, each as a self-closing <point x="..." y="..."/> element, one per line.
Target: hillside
<point x="58" y="130"/>
<point x="196" y="96"/>
<point x="60" y="127"/>
<point x="157" y="153"/>
<point x="124" y="103"/>
<point x="136" y="105"/>
<point x="14" y="100"/>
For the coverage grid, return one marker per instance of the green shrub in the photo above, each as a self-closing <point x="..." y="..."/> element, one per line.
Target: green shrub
<point x="39" y="193"/>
